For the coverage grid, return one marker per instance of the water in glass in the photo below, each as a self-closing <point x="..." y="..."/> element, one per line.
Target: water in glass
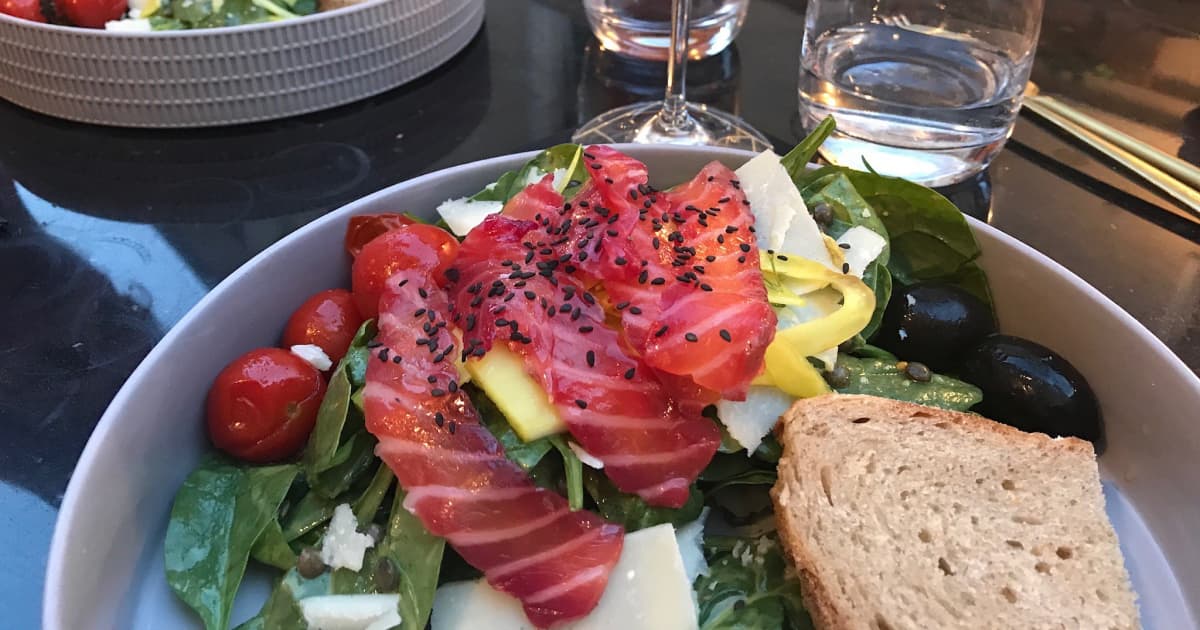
<point x="928" y="104"/>
<point x="642" y="28"/>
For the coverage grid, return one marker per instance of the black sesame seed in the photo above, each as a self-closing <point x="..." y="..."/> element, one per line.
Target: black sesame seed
<point x="721" y="239"/>
<point x="706" y="287"/>
<point x="608" y="180"/>
<point x="585" y="329"/>
<point x="383" y="355"/>
<point x="396" y="359"/>
<point x="620" y="260"/>
<point x="452" y="386"/>
<point x="620" y="306"/>
<point x="741" y="259"/>
<point x="661" y="331"/>
<point x="633" y="194"/>
<point x="691" y="337"/>
<point x="642" y="277"/>
<point x="654" y="242"/>
<point x="635" y="310"/>
<point x="437" y="391"/>
<point x="844" y="245"/>
<point x="438" y="418"/>
<point x="725" y="335"/>
<point x="452" y="427"/>
<point x="419" y="312"/>
<point x="629" y="374"/>
<point x="529" y="295"/>
<point x="658" y="281"/>
<point x="710" y="258"/>
<point x="591" y="358"/>
<point x="845" y="267"/>
<point x="423" y="293"/>
<point x="431" y="378"/>
<point x="452" y="273"/>
<point x="582" y="404"/>
<point x="744" y="247"/>
<point x="595" y="166"/>
<point x="723" y="200"/>
<point x="403" y="282"/>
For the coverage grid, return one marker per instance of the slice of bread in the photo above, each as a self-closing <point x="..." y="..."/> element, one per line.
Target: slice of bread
<point x="899" y="516"/>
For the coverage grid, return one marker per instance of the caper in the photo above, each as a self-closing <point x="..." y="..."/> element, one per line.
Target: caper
<point x="918" y="372"/>
<point x="375" y="531"/>
<point x="310" y="564"/>
<point x="822" y="214"/>
<point x="838" y="377"/>
<point x="385" y="576"/>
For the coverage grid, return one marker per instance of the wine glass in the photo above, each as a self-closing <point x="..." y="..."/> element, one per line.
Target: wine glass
<point x="672" y="120"/>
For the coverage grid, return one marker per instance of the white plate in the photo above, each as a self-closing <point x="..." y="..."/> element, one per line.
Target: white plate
<point x="222" y="76"/>
<point x="105" y="568"/>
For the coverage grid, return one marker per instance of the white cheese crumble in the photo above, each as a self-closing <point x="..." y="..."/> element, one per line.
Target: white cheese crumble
<point x="344" y="546"/>
<point x="313" y="355"/>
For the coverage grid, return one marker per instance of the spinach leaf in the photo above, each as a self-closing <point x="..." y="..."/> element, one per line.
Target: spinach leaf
<point x="281" y="609"/>
<point x="832" y="186"/>
<point x="769" y="450"/>
<point x="751" y="477"/>
<point x="359" y="354"/>
<point x="748" y="585"/>
<point x="331" y="417"/>
<point x="272" y="548"/>
<point x="327" y="433"/>
<point x="631" y="511"/>
<point x="879" y="279"/>
<point x="309" y="513"/>
<point x="800" y="155"/>
<point x="564" y="156"/>
<point x="353" y="458"/>
<point x="366" y="506"/>
<point x="573" y="469"/>
<point x="881" y="377"/>
<point x="217" y="516"/>
<point x="414" y="553"/>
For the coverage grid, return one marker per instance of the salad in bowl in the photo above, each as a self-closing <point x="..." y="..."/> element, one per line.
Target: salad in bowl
<point x="555" y="406"/>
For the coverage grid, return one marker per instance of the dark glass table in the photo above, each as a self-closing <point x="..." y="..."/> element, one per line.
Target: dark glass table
<point x="108" y="236"/>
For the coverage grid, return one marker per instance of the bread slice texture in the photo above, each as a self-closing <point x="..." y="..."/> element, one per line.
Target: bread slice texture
<point x="899" y="516"/>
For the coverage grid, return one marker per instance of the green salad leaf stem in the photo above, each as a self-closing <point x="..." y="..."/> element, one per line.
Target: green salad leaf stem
<point x="800" y="155"/>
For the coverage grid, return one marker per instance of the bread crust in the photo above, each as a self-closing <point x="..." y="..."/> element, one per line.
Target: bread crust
<point x="818" y="597"/>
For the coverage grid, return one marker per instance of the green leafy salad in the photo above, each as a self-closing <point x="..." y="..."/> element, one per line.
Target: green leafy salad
<point x="329" y="519"/>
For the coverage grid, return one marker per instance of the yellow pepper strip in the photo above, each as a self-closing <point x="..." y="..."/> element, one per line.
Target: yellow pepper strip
<point x="787" y="366"/>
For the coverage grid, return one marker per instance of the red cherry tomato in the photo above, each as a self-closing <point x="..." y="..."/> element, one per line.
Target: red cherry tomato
<point x="364" y="228"/>
<point x="24" y="9"/>
<point x="422" y="247"/>
<point x="91" y="13"/>
<point x="328" y="319"/>
<point x="264" y="404"/>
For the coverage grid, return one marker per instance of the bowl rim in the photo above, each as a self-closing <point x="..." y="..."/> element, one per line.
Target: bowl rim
<point x="103" y="33"/>
<point x="58" y="557"/>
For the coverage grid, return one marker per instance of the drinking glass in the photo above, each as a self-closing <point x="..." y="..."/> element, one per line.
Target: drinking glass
<point x="672" y="120"/>
<point x="927" y="90"/>
<point x="642" y="28"/>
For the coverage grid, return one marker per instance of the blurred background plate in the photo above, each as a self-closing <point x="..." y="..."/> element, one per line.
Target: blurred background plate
<point x="223" y="76"/>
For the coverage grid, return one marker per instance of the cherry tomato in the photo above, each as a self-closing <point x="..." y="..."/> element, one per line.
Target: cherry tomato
<point x="328" y="319"/>
<point x="24" y="9"/>
<point x="92" y="13"/>
<point x="364" y="228"/>
<point x="422" y="247"/>
<point x="264" y="404"/>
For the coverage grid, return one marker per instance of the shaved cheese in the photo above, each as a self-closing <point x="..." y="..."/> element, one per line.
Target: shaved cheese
<point x="351" y="612"/>
<point x="690" y="538"/>
<point x="864" y="246"/>
<point x="462" y="215"/>
<point x="782" y="221"/>
<point x="648" y="589"/>
<point x="749" y="421"/>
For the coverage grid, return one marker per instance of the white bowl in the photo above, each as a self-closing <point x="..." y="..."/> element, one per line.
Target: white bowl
<point x="106" y="569"/>
<point x="222" y="76"/>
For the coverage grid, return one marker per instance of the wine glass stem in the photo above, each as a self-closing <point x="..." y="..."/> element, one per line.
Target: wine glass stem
<point x="673" y="116"/>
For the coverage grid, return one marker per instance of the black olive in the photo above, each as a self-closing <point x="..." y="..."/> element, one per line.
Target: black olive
<point x="838" y="377"/>
<point x="1028" y="386"/>
<point x="932" y="323"/>
<point x="310" y="565"/>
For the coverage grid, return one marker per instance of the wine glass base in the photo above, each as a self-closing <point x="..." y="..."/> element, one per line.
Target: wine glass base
<point x="641" y="123"/>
